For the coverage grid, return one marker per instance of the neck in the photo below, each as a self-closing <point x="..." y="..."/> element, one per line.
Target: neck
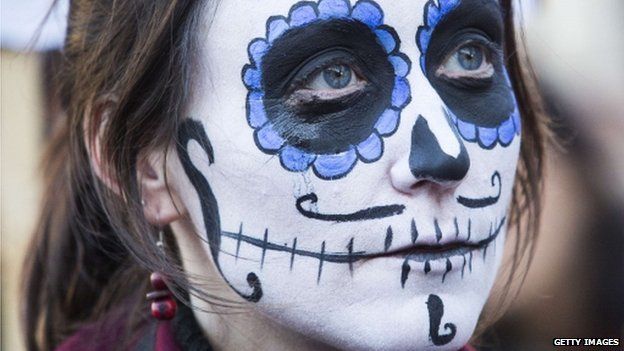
<point x="238" y="325"/>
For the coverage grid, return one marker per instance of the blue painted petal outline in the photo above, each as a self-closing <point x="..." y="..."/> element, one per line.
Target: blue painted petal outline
<point x="276" y="26"/>
<point x="506" y="132"/>
<point x="517" y="120"/>
<point x="371" y="149"/>
<point x="487" y="137"/>
<point x="333" y="9"/>
<point x="252" y="77"/>
<point x="294" y="159"/>
<point x="267" y="139"/>
<point x="302" y="13"/>
<point x="330" y="167"/>
<point x="256" y="50"/>
<point x="467" y="130"/>
<point x="401" y="95"/>
<point x="388" y="122"/>
<point x="256" y="114"/>
<point x="432" y="15"/>
<point x="386" y="39"/>
<point x="401" y="65"/>
<point x="368" y="12"/>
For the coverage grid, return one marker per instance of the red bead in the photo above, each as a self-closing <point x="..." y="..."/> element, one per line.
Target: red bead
<point x="158" y="282"/>
<point x="164" y="309"/>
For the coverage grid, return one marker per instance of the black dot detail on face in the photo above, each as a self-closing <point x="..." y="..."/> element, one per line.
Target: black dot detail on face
<point x="327" y="126"/>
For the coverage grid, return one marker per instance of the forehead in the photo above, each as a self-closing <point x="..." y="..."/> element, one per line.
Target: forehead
<point x="247" y="18"/>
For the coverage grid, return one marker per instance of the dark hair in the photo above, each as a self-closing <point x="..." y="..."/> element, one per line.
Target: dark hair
<point x="93" y="248"/>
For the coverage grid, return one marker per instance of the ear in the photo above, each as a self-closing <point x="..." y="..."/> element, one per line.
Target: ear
<point x="158" y="202"/>
<point x="158" y="205"/>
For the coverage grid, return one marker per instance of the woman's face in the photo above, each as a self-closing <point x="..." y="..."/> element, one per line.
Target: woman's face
<point x="350" y="164"/>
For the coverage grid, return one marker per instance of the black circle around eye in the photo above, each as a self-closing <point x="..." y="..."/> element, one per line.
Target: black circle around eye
<point x="337" y="76"/>
<point x="470" y="57"/>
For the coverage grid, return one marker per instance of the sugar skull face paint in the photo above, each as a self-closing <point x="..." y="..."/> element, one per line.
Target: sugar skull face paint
<point x="325" y="86"/>
<point x="339" y="189"/>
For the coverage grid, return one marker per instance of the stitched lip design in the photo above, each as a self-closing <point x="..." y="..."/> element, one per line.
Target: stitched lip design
<point x="420" y="251"/>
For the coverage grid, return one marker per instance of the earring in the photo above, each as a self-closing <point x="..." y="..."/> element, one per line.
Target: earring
<point x="163" y="304"/>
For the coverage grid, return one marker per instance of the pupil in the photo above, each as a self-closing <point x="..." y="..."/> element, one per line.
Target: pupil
<point x="470" y="57"/>
<point x="337" y="76"/>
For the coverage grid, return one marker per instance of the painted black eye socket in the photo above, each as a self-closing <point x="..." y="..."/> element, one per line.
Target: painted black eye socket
<point x="326" y="85"/>
<point x="326" y="77"/>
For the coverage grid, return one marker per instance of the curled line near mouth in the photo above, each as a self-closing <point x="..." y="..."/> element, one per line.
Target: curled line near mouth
<point x="375" y="212"/>
<point x="485" y="201"/>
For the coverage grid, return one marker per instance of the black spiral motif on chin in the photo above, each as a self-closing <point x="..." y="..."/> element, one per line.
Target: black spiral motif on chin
<point x="436" y="311"/>
<point x="254" y="282"/>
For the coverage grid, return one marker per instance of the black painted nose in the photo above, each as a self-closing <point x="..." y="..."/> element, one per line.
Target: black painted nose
<point x="427" y="161"/>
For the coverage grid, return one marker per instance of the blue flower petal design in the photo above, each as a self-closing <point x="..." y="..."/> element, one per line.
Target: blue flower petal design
<point x="276" y="27"/>
<point x="506" y="132"/>
<point x="487" y="137"/>
<point x="333" y="9"/>
<point x="257" y="48"/>
<point x="401" y="93"/>
<point x="401" y="67"/>
<point x="256" y="115"/>
<point x="368" y="13"/>
<point x="386" y="39"/>
<point x="268" y="138"/>
<point x="388" y="122"/>
<point x="467" y="130"/>
<point x="302" y="15"/>
<point x="516" y="120"/>
<point x="295" y="160"/>
<point x="371" y="149"/>
<point x="432" y="16"/>
<point x="334" y="166"/>
<point x="292" y="158"/>
<point x="252" y="78"/>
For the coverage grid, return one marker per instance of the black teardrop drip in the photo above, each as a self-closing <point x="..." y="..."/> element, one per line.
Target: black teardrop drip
<point x="427" y="267"/>
<point x="449" y="266"/>
<point x="388" y="241"/>
<point x="414" y="232"/>
<point x="405" y="269"/>
<point x="463" y="266"/>
<point x="437" y="230"/>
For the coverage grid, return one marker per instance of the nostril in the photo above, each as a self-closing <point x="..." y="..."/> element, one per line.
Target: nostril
<point x="427" y="161"/>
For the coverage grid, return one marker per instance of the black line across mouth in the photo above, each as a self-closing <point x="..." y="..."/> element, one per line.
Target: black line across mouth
<point x="413" y="253"/>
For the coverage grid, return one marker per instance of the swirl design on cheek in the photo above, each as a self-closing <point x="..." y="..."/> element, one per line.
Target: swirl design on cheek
<point x="484" y="110"/>
<point x="327" y="134"/>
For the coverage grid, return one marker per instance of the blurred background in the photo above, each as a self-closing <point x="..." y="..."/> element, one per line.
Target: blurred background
<point x="575" y="286"/>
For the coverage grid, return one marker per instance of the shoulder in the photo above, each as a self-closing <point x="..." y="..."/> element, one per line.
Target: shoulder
<point x="113" y="335"/>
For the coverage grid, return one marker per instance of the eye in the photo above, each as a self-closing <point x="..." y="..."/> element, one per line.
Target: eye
<point x="470" y="60"/>
<point x="328" y="83"/>
<point x="333" y="77"/>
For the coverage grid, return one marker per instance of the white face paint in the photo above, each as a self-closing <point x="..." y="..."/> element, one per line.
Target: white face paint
<point x="346" y="193"/>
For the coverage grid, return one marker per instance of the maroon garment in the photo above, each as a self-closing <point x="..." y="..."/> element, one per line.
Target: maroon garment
<point x="159" y="337"/>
